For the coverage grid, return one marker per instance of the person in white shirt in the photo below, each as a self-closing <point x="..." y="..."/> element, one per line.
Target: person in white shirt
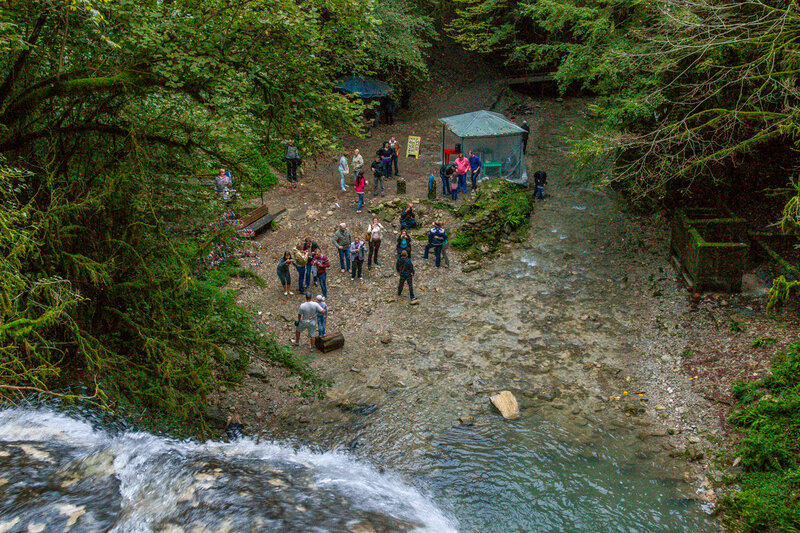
<point x="307" y="319"/>
<point x="374" y="233"/>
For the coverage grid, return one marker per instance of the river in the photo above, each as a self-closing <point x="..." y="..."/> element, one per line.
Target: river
<point x="551" y="321"/>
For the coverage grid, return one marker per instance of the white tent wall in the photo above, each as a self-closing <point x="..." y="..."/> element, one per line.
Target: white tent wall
<point x="506" y="150"/>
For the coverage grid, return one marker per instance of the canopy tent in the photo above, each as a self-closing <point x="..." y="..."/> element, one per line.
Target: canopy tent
<point x="364" y="87"/>
<point x="496" y="140"/>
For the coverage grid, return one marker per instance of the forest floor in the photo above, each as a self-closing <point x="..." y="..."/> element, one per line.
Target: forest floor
<point x="586" y="319"/>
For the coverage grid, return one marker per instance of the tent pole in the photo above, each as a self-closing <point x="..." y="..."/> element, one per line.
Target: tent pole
<point x="442" y="144"/>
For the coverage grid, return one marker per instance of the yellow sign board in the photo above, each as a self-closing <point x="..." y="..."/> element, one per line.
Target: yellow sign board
<point x="412" y="148"/>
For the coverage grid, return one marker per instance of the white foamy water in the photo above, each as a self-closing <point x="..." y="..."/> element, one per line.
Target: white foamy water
<point x="138" y="482"/>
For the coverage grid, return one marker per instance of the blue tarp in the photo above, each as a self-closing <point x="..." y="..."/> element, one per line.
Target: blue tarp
<point x="364" y="87"/>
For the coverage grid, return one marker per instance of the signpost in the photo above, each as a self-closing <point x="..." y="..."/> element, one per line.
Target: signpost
<point x="412" y="148"/>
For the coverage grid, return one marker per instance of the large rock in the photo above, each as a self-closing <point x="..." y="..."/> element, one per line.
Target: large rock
<point x="506" y="404"/>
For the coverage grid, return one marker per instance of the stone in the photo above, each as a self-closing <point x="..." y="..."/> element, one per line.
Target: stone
<point x="414" y="302"/>
<point x="694" y="440"/>
<point x="688" y="477"/>
<point x="507" y="404"/>
<point x="386" y="340"/>
<point x="466" y="420"/>
<point x="470" y="268"/>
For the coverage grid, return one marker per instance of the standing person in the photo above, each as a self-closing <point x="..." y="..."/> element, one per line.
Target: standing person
<point x="306" y="319"/>
<point x="390" y="107"/>
<point x="540" y="180"/>
<point x="525" y="136"/>
<point x="404" y="243"/>
<point x="300" y="259"/>
<point x="377" y="175"/>
<point x="395" y="146"/>
<point x="343" y="170"/>
<point x="374" y="233"/>
<point x="356" y="258"/>
<point x="292" y="159"/>
<point x="445" y="172"/>
<point x="408" y="219"/>
<point x="437" y="236"/>
<point x="475" y="166"/>
<point x="322" y="264"/>
<point x="322" y="318"/>
<point x="462" y="166"/>
<point x="357" y="162"/>
<point x="454" y="186"/>
<point x="361" y="184"/>
<point x="385" y="153"/>
<point x="342" y="240"/>
<point x="405" y="269"/>
<point x="308" y="247"/>
<point x="284" y="274"/>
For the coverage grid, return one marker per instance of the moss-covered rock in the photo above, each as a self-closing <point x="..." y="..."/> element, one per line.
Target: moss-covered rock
<point x="498" y="214"/>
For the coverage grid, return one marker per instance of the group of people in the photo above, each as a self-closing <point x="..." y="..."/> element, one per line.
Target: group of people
<point x="386" y="159"/>
<point x="312" y="265"/>
<point x="454" y="175"/>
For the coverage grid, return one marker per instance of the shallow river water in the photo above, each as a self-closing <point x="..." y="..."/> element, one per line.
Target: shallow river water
<point x="539" y="322"/>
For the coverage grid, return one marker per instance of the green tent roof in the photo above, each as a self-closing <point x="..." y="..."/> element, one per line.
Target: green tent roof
<point x="481" y="124"/>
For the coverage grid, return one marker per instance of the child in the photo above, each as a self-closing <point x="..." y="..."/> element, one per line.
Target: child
<point x="321" y="317"/>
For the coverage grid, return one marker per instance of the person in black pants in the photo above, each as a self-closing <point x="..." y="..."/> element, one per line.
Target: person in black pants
<point x="292" y="161"/>
<point x="525" y="136"/>
<point x="357" y="253"/>
<point x="405" y="269"/>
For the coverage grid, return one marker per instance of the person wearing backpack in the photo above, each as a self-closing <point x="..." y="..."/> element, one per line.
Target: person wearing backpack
<point x="539" y="180"/>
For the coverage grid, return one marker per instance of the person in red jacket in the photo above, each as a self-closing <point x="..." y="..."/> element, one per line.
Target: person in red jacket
<point x="361" y="184"/>
<point x="321" y="262"/>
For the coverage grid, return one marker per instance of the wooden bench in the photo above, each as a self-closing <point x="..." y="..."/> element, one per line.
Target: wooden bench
<point x="259" y="219"/>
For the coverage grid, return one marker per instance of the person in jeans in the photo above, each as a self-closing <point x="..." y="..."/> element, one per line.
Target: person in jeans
<point x="385" y="153"/>
<point x="454" y="181"/>
<point x="395" y="146"/>
<point x="361" y="184"/>
<point x="300" y="259"/>
<point x="307" y="319"/>
<point x="437" y="236"/>
<point x="540" y="180"/>
<point x="343" y="170"/>
<point x="404" y="243"/>
<point x="446" y="172"/>
<point x="374" y="231"/>
<point x="462" y="166"/>
<point x="308" y="247"/>
<point x="405" y="269"/>
<point x="283" y="273"/>
<point x="292" y="161"/>
<point x="357" y="253"/>
<point x="342" y="240"/>
<point x="377" y="175"/>
<point x="322" y="318"/>
<point x="475" y="166"/>
<point x="322" y="265"/>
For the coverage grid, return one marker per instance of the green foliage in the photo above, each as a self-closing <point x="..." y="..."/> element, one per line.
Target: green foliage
<point x="499" y="209"/>
<point x="769" y="416"/>
<point x="735" y="326"/>
<point x="764" y="342"/>
<point x="781" y="292"/>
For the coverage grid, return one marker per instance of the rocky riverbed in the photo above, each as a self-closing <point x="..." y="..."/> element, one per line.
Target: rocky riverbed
<point x="586" y="323"/>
